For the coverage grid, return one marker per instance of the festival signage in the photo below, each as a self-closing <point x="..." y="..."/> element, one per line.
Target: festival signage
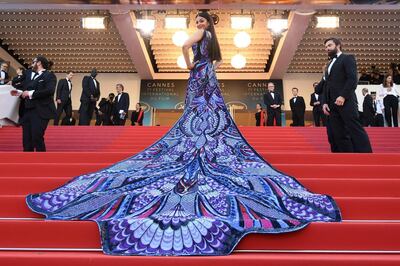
<point x="170" y="94"/>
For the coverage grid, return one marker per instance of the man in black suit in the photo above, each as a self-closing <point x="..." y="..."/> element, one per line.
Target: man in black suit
<point x="338" y="86"/>
<point x="273" y="102"/>
<point x="298" y="107"/>
<point x="121" y="106"/>
<point x="63" y="97"/>
<point x="39" y="105"/>
<point x="315" y="102"/>
<point x="368" y="109"/>
<point x="90" y="95"/>
<point x="27" y="79"/>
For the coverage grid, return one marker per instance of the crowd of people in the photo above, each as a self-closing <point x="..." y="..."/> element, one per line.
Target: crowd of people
<point x="273" y="102"/>
<point x="112" y="110"/>
<point x="375" y="76"/>
<point x="36" y="87"/>
<point x="378" y="106"/>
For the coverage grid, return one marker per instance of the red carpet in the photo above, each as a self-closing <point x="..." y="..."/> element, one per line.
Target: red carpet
<point x="238" y="259"/>
<point x="366" y="187"/>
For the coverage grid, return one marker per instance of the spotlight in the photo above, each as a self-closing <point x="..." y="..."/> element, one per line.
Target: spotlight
<point x="329" y="22"/>
<point x="277" y="25"/>
<point x="94" y="23"/>
<point x="176" y="23"/>
<point x="179" y="38"/>
<point x="238" y="61"/>
<point x="242" y="39"/>
<point x="241" y="22"/>
<point x="146" y="26"/>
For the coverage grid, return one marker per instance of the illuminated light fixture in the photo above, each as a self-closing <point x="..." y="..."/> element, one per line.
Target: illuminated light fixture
<point x="181" y="62"/>
<point x="238" y="61"/>
<point x="176" y="23"/>
<point x="179" y="38"/>
<point x="242" y="39"/>
<point x="146" y="26"/>
<point x="277" y="25"/>
<point x="329" y="22"/>
<point x="241" y="22"/>
<point x="93" y="23"/>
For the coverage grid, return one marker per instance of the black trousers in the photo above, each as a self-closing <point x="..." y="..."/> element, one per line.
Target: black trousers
<point x="21" y="110"/>
<point x="63" y="107"/>
<point x="368" y="119"/>
<point x="319" y="116"/>
<point x="33" y="129"/>
<point x="86" y="111"/>
<point x="378" y="120"/>
<point x="391" y="104"/>
<point x="344" y="122"/>
<point x="103" y="119"/>
<point x="118" y="121"/>
<point x="298" y="119"/>
<point x="274" y="115"/>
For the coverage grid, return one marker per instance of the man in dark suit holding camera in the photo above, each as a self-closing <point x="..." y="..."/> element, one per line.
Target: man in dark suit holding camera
<point x="338" y="86"/>
<point x="39" y="105"/>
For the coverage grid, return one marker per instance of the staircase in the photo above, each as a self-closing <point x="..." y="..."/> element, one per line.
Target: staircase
<point x="365" y="186"/>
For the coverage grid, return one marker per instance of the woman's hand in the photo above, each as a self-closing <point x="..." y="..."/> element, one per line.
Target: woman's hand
<point x="192" y="65"/>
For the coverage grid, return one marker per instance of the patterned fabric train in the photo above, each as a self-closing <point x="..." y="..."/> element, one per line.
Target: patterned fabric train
<point x="196" y="191"/>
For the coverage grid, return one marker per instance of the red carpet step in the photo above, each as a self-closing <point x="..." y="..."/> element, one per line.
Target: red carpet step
<point x="352" y="208"/>
<point x="236" y="259"/>
<point x="135" y="139"/>
<point x="365" y="186"/>
<point x="84" y="234"/>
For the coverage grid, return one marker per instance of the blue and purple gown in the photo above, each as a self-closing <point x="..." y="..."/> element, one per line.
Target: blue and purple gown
<point x="196" y="191"/>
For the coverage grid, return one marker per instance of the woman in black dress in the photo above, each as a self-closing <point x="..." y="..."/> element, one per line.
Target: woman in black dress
<point x="260" y="116"/>
<point x="137" y="116"/>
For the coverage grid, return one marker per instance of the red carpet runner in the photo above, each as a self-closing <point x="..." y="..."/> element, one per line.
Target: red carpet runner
<point x="366" y="187"/>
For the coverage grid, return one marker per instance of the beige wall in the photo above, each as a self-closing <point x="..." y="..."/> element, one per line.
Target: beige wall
<point x="301" y="81"/>
<point x="107" y="81"/>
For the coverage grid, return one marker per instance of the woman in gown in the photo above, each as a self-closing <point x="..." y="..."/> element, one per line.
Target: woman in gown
<point x="196" y="191"/>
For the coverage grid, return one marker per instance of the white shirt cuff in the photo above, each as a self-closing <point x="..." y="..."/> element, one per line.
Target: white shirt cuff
<point x="121" y="111"/>
<point x="30" y="94"/>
